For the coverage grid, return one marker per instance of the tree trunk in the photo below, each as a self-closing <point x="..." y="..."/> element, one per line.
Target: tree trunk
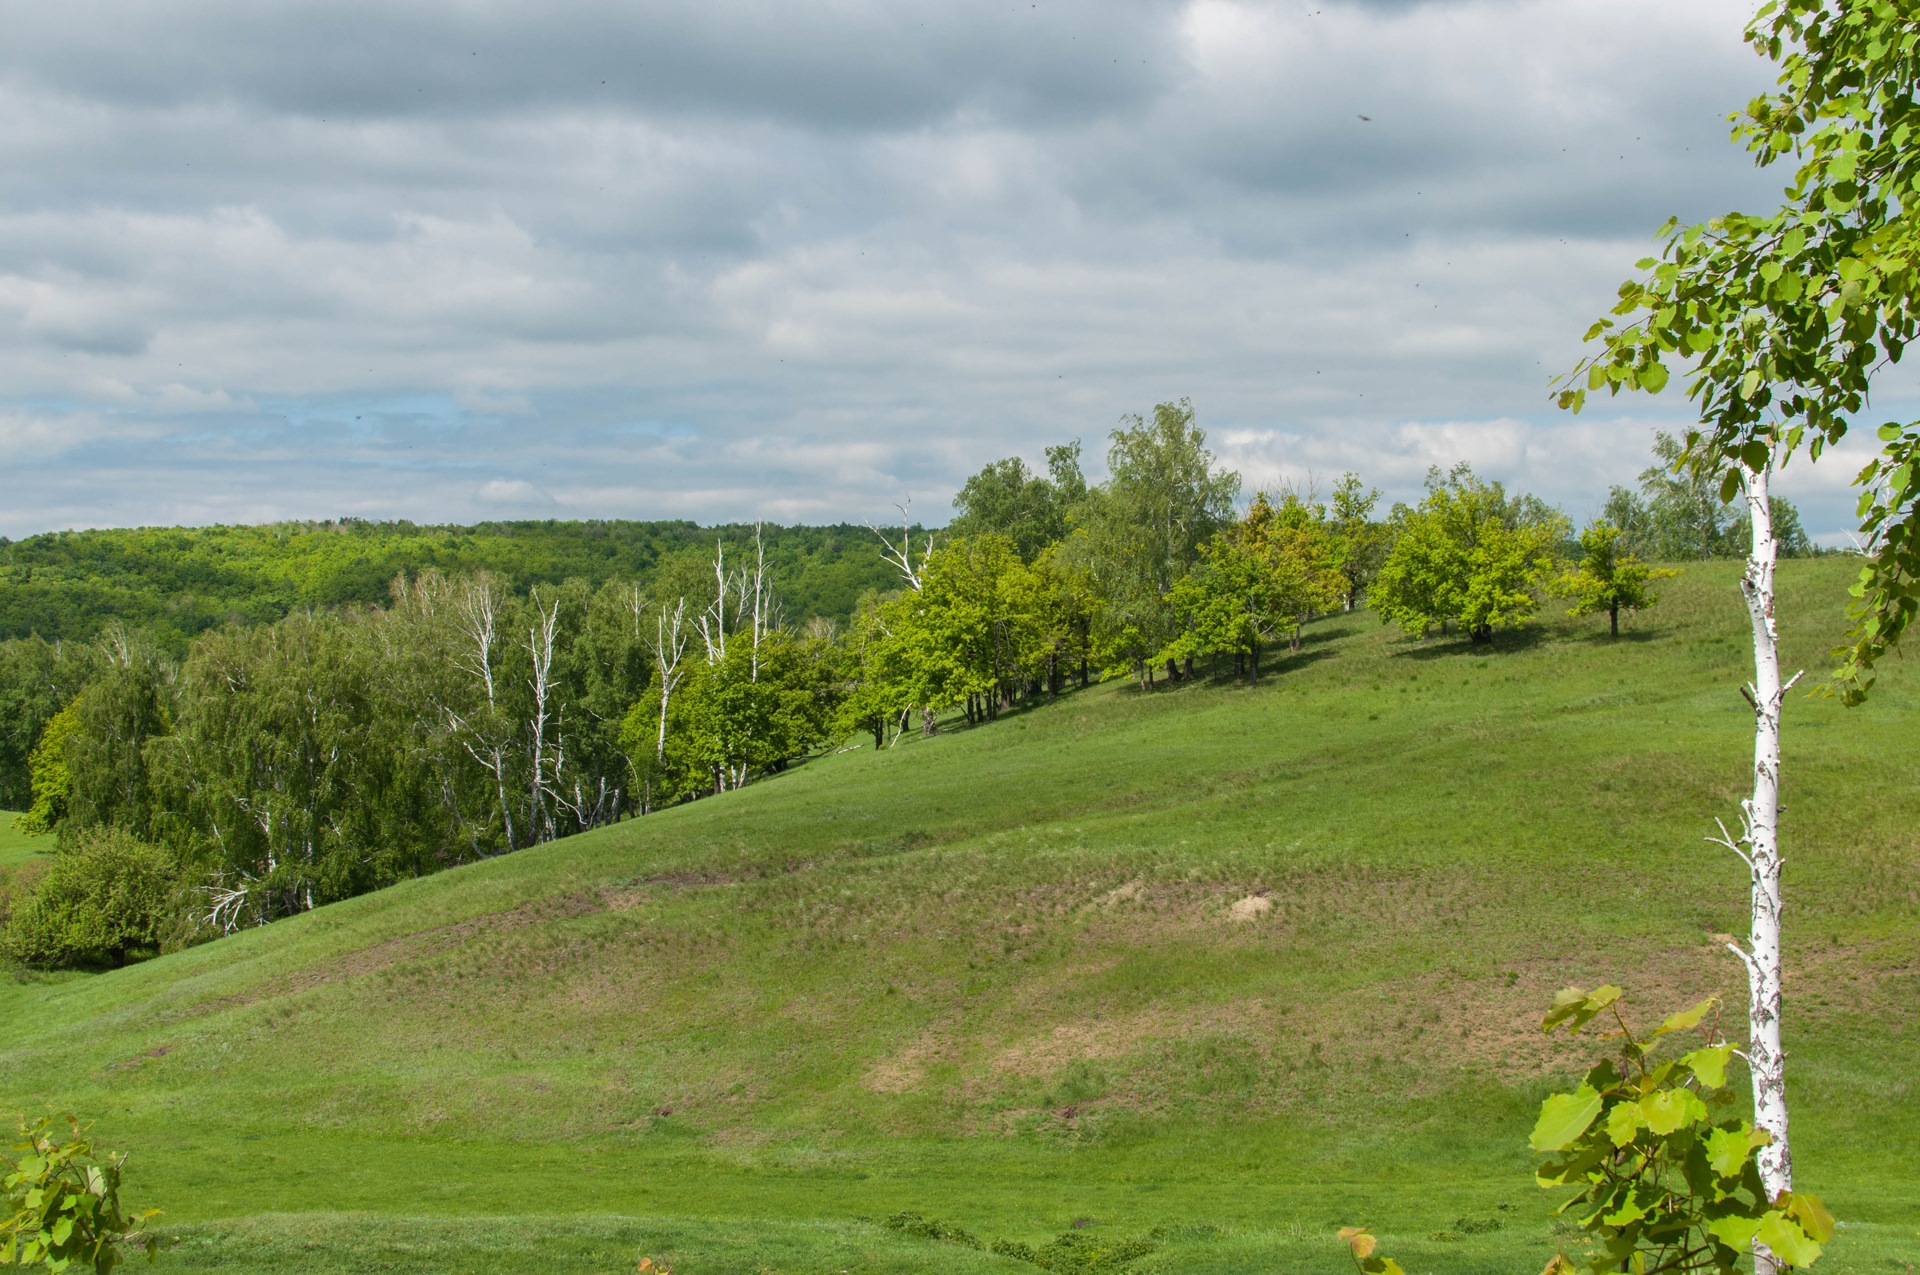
<point x="1765" y="1060"/>
<point x="1253" y="663"/>
<point x="1613" y="616"/>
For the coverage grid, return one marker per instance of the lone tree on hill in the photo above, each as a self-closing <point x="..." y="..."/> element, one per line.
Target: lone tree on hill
<point x="1468" y="555"/>
<point x="1608" y="578"/>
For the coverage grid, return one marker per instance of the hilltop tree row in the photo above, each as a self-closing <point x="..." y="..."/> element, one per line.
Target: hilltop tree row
<point x="279" y="766"/>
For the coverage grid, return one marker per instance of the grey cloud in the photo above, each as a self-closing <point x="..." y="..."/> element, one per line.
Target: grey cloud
<point x="845" y="65"/>
<point x="794" y="261"/>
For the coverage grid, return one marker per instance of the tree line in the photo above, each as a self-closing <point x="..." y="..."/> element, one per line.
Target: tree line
<point x="277" y="766"/>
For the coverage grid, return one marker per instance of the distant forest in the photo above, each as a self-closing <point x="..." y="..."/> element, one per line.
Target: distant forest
<point x="173" y="583"/>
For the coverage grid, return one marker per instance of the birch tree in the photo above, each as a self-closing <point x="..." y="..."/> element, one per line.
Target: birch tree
<point x="1780" y="323"/>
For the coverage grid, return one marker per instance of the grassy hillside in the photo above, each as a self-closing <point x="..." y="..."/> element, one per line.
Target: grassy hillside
<point x="995" y="978"/>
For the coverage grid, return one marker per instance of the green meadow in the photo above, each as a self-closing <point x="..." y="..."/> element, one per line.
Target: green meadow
<point x="17" y="847"/>
<point x="998" y="978"/>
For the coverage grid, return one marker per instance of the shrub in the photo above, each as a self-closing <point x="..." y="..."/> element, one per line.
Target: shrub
<point x="61" y="1203"/>
<point x="106" y="899"/>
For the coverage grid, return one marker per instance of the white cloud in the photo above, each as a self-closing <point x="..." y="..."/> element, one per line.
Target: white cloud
<point x="511" y="491"/>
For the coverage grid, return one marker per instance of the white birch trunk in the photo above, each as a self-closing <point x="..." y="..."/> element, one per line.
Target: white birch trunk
<point x="1761" y="815"/>
<point x="540" y="639"/>
<point x="669" y="644"/>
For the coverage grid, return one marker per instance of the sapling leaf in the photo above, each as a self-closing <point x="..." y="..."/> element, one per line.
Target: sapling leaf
<point x="1727" y="1151"/>
<point x="1789" y="1243"/>
<point x="1710" y="1064"/>
<point x="1623" y="1122"/>
<point x="1687" y="1019"/>
<point x="1563" y="1118"/>
<point x="1565" y="1002"/>
<point x="1811" y="1214"/>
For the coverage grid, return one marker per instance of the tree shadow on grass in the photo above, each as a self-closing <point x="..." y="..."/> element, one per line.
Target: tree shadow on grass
<point x="1458" y="645"/>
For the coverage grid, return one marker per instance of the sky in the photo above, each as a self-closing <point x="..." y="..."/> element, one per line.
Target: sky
<point x="455" y="260"/>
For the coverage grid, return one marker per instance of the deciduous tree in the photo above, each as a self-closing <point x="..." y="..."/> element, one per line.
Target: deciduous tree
<point x="1608" y="578"/>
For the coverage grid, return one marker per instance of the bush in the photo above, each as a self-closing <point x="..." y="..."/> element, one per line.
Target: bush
<point x="107" y="899"/>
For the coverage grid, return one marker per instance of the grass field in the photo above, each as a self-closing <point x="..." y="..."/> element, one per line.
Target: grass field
<point x="994" y="978"/>
<point x="17" y="848"/>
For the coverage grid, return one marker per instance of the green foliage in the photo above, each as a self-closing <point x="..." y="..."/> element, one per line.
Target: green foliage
<point x="37" y="680"/>
<point x="1660" y="1158"/>
<point x="753" y="709"/>
<point x="106" y="898"/>
<point x="909" y="1223"/>
<point x="174" y="582"/>
<point x="51" y="774"/>
<point x="1783" y="320"/>
<point x="1140" y="532"/>
<point x="1361" y="542"/>
<point x="1607" y="578"/>
<point x="1680" y="513"/>
<point x="1258" y="582"/>
<point x="1469" y="556"/>
<point x="1007" y="499"/>
<point x="62" y="1203"/>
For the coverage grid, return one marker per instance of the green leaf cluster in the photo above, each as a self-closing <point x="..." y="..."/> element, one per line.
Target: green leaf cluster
<point x="1258" y="581"/>
<point x="1660" y="1161"/>
<point x="61" y="1204"/>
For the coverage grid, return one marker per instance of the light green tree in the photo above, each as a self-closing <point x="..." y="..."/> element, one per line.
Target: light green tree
<point x="1468" y="556"/>
<point x="1007" y="498"/>
<point x="1608" y="578"/>
<point x="106" y="899"/>
<point x="1360" y="541"/>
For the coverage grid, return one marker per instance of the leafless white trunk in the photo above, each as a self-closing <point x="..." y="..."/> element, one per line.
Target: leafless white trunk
<point x="540" y="641"/>
<point x="712" y="622"/>
<point x="478" y="622"/>
<point x="479" y="616"/>
<point x="901" y="556"/>
<point x="1760" y="820"/>
<point x="669" y="646"/>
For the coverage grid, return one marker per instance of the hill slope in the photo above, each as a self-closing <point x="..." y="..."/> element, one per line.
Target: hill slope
<point x="994" y="977"/>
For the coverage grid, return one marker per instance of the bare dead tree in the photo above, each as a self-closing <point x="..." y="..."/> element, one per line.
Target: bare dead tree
<point x="477" y="619"/>
<point x="540" y="643"/>
<point x="901" y="555"/>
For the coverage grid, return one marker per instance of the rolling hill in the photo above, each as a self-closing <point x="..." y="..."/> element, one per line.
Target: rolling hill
<point x="1215" y="966"/>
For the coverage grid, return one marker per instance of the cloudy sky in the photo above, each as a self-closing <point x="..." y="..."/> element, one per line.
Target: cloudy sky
<point x="456" y="259"/>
